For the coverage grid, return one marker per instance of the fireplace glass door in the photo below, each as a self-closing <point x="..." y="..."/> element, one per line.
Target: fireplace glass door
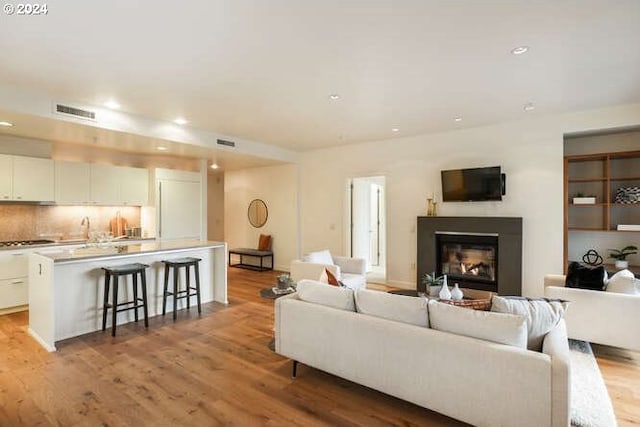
<point x="468" y="258"/>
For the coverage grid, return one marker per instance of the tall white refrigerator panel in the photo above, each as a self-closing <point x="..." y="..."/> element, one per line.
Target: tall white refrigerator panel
<point x="179" y="216"/>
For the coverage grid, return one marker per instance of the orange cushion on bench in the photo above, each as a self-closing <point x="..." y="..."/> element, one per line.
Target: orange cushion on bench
<point x="264" y="243"/>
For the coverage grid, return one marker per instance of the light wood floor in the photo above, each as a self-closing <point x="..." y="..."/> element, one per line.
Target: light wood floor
<point x="211" y="370"/>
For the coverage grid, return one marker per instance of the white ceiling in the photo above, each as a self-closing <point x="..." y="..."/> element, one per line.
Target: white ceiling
<point x="264" y="70"/>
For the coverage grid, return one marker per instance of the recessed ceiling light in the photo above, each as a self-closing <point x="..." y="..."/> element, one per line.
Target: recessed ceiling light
<point x="214" y="166"/>
<point x="161" y="148"/>
<point x="529" y="106"/>
<point x="519" y="50"/>
<point x="180" y="121"/>
<point x="6" y="124"/>
<point x="112" y="104"/>
<point x="334" y="96"/>
<point x="457" y="119"/>
<point x="395" y="130"/>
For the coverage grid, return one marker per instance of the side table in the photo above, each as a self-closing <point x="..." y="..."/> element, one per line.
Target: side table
<point x="268" y="293"/>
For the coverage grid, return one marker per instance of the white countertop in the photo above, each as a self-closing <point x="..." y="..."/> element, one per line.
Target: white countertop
<point x="72" y="242"/>
<point x="124" y="249"/>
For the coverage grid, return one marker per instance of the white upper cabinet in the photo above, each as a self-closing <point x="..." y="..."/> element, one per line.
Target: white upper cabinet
<point x="31" y="179"/>
<point x="105" y="185"/>
<point x="134" y="186"/>
<point x="6" y="177"/>
<point x="73" y="183"/>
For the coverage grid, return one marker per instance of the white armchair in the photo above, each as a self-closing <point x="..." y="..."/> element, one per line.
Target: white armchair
<point x="598" y="316"/>
<point x="350" y="271"/>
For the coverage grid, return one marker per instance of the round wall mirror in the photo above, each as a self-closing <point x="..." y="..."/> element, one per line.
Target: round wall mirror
<point x="258" y="213"/>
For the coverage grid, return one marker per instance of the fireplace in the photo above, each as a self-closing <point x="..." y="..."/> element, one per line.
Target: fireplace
<point x="470" y="260"/>
<point x="475" y="252"/>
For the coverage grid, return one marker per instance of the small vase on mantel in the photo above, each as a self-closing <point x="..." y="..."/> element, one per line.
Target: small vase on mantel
<point x="445" y="294"/>
<point x="456" y="293"/>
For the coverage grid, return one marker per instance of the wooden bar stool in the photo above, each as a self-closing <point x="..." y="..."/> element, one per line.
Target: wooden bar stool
<point x="189" y="291"/>
<point x="136" y="303"/>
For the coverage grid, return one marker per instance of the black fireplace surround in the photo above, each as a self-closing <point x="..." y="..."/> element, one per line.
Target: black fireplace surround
<point x="475" y="252"/>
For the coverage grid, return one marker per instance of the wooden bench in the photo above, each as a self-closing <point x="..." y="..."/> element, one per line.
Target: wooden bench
<point x="252" y="253"/>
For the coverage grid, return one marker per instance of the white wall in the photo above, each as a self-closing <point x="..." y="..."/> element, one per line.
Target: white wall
<point x="215" y="207"/>
<point x="529" y="151"/>
<point x="278" y="187"/>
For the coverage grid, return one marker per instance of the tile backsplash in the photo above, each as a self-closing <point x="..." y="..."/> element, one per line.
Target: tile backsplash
<point x="25" y="221"/>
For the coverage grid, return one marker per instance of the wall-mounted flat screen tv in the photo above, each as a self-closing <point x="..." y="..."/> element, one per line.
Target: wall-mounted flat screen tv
<point x="473" y="185"/>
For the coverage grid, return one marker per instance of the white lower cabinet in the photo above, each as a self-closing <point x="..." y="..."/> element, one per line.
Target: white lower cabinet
<point x="14" y="280"/>
<point x="14" y="292"/>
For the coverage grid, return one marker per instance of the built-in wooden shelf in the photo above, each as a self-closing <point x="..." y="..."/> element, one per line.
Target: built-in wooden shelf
<point x="587" y="180"/>
<point x="601" y="230"/>
<point x="625" y="178"/>
<point x="587" y="229"/>
<point x="599" y="175"/>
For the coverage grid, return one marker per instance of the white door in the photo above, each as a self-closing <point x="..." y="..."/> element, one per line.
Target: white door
<point x="179" y="216"/>
<point x="367" y="229"/>
<point x="361" y="220"/>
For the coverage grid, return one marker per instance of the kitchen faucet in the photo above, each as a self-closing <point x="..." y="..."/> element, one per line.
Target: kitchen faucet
<point x="85" y="222"/>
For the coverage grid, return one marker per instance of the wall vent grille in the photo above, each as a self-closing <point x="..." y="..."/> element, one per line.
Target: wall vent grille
<point x="75" y="112"/>
<point x="227" y="143"/>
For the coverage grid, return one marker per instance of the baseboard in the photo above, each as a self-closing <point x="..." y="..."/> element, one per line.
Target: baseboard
<point x="14" y="309"/>
<point x="42" y="342"/>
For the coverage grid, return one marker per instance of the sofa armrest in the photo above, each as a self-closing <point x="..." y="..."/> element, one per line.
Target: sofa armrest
<point x="556" y="345"/>
<point x="351" y="265"/>
<point x="601" y="317"/>
<point x="310" y="270"/>
<point x="554" y="280"/>
<point x="278" y="316"/>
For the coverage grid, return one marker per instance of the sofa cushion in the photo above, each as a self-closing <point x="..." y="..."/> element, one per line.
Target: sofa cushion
<point x="541" y="315"/>
<point x="501" y="328"/>
<point x="324" y="294"/>
<point x="319" y="257"/>
<point x="399" y="308"/>
<point x="624" y="282"/>
<point x="353" y="281"/>
<point x="581" y="276"/>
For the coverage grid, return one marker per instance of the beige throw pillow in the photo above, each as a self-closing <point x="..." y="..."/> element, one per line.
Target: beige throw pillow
<point x="623" y="282"/>
<point x="501" y="328"/>
<point x="399" y="308"/>
<point x="541" y="315"/>
<point x="319" y="257"/>
<point x="325" y="294"/>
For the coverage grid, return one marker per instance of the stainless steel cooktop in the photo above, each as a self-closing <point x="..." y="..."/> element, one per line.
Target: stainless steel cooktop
<point x="12" y="243"/>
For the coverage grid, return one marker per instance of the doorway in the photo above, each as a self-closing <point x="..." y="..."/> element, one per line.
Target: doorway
<point x="366" y="227"/>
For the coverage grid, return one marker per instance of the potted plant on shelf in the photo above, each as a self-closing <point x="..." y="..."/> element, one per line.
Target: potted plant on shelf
<point x="581" y="199"/>
<point x="620" y="255"/>
<point x="433" y="282"/>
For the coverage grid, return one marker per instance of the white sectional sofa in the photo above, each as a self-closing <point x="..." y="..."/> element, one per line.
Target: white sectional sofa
<point x="597" y="316"/>
<point x="395" y="351"/>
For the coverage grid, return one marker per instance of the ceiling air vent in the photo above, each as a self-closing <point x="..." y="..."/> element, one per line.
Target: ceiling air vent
<point x="227" y="143"/>
<point x="75" y="112"/>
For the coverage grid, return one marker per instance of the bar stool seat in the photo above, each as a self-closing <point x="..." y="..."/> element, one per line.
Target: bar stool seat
<point x="124" y="270"/>
<point x="189" y="291"/>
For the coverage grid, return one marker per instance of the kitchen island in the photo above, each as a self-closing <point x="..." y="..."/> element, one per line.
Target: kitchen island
<point x="66" y="286"/>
